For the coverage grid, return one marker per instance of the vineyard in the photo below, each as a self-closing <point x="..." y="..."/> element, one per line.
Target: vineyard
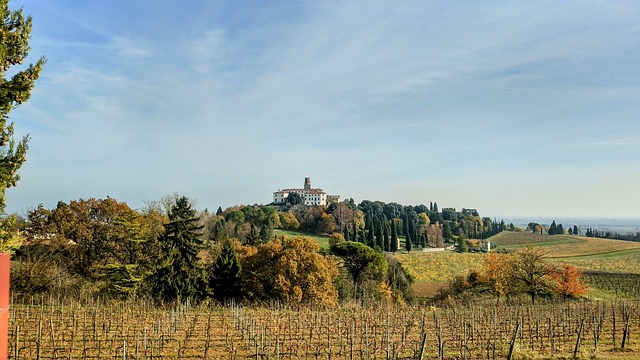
<point x="68" y="330"/>
<point x="622" y="285"/>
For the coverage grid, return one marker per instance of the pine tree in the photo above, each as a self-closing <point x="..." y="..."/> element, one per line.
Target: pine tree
<point x="225" y="275"/>
<point x="180" y="276"/>
<point x="15" y="32"/>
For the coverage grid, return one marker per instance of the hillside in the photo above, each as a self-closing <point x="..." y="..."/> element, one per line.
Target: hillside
<point x="561" y="246"/>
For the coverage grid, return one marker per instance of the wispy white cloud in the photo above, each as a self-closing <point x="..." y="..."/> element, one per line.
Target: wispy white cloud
<point x="371" y="95"/>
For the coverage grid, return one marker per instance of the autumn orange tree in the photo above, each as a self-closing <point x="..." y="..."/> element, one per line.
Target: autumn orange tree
<point x="495" y="275"/>
<point x="569" y="281"/>
<point x="291" y="271"/>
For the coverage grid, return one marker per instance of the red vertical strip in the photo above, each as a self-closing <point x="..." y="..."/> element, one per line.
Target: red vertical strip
<point x="5" y="266"/>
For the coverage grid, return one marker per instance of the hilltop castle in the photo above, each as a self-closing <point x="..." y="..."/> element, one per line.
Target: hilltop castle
<point x="309" y="195"/>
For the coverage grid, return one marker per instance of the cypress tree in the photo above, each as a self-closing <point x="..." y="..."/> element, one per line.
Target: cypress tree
<point x="380" y="236"/>
<point x="370" y="233"/>
<point x="180" y="276"/>
<point x="407" y="243"/>
<point x="387" y="240"/>
<point x="394" y="237"/>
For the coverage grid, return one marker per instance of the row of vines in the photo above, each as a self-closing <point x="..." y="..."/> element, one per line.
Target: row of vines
<point x="69" y="330"/>
<point x="627" y="285"/>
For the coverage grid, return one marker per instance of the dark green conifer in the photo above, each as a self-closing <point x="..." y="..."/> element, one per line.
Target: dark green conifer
<point x="180" y="276"/>
<point x="394" y="237"/>
<point x="225" y="275"/>
<point x="407" y="243"/>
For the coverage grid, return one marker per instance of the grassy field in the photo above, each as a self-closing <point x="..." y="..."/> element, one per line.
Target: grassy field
<point x="432" y="270"/>
<point x="323" y="241"/>
<point x="438" y="266"/>
<point x="562" y="246"/>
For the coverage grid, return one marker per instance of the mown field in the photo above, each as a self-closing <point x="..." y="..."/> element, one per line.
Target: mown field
<point x="323" y="241"/>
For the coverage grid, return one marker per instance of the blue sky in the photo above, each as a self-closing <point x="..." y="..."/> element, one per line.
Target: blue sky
<point x="513" y="108"/>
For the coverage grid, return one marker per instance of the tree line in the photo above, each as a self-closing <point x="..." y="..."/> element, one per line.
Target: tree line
<point x="171" y="252"/>
<point x="390" y="227"/>
<point x="557" y="229"/>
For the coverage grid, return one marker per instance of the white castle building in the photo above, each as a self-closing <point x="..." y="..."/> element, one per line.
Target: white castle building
<point x="309" y="195"/>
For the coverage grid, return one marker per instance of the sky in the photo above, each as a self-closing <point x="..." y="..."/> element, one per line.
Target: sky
<point x="528" y="108"/>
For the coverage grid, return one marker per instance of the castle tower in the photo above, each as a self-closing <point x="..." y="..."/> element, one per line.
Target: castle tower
<point x="307" y="183"/>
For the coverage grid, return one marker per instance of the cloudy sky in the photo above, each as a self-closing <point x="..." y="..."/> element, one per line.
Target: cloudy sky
<point x="513" y="108"/>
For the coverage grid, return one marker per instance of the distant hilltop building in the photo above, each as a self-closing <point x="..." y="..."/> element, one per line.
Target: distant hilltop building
<point x="309" y="195"/>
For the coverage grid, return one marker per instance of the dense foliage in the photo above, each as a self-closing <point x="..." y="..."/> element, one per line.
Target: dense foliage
<point x="15" y="30"/>
<point x="171" y="252"/>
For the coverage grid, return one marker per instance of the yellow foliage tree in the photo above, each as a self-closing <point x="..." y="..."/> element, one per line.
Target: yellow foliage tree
<point x="495" y="273"/>
<point x="291" y="271"/>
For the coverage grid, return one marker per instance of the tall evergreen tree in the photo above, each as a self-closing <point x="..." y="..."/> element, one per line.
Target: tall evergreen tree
<point x="180" y="276"/>
<point x="553" y="229"/>
<point x="407" y="243"/>
<point x="446" y="231"/>
<point x="380" y="236"/>
<point x="15" y="30"/>
<point x="386" y="235"/>
<point x="575" y="230"/>
<point x="370" y="231"/>
<point x="394" y="237"/>
<point x="225" y="275"/>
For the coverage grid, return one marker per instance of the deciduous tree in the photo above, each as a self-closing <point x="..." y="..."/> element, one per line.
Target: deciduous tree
<point x="291" y="271"/>
<point x="569" y="281"/>
<point x="531" y="274"/>
<point x="495" y="273"/>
